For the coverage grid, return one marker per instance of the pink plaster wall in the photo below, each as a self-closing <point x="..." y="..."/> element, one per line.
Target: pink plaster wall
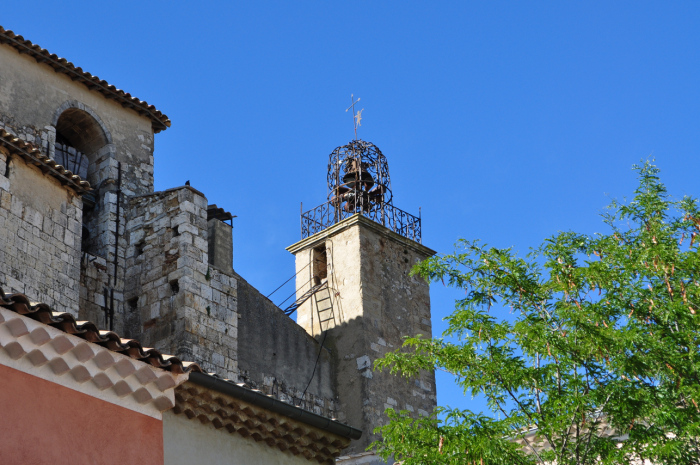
<point x="45" y="423"/>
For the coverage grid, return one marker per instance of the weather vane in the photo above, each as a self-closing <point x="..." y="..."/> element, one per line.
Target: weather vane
<point x="356" y="118"/>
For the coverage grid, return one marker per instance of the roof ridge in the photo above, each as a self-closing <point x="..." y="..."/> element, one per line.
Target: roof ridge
<point x="159" y="120"/>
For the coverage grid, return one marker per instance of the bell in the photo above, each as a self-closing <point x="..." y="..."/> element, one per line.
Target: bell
<point x="366" y="180"/>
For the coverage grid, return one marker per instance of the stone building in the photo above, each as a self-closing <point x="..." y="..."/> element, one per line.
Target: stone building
<point x="83" y="232"/>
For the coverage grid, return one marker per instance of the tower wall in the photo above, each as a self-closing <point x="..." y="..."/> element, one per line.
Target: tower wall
<point x="39" y="235"/>
<point x="33" y="96"/>
<point x="375" y="304"/>
<point x="176" y="301"/>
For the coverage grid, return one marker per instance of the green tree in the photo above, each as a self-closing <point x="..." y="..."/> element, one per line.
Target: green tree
<point x="597" y="361"/>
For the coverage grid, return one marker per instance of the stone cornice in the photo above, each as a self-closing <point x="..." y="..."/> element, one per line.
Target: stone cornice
<point x="362" y="221"/>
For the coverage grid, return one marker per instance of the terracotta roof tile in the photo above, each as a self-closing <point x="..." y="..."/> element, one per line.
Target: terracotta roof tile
<point x="246" y="419"/>
<point x="19" y="303"/>
<point x="34" y="155"/>
<point x="334" y="436"/>
<point x="159" y="120"/>
<point x="218" y="213"/>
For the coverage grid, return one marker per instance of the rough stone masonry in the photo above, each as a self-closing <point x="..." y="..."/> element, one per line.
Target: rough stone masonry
<point x="156" y="267"/>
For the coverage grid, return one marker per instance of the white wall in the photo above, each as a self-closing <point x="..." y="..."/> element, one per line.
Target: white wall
<point x="190" y="442"/>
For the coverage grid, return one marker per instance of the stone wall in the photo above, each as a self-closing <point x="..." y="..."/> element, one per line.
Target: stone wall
<point x="175" y="301"/>
<point x="278" y="357"/>
<point x="396" y="305"/>
<point x="220" y="245"/>
<point x="40" y="223"/>
<point x="35" y="104"/>
<point x="375" y="304"/>
<point x="33" y="96"/>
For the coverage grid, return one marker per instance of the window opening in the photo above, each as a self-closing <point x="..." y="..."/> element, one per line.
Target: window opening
<point x="79" y="138"/>
<point x="320" y="267"/>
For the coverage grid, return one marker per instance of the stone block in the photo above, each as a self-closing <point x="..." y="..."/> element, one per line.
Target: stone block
<point x="189" y="228"/>
<point x="5" y="200"/>
<point x="189" y="207"/>
<point x="16" y="206"/>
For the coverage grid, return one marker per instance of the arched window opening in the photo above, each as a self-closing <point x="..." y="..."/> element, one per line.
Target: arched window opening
<point x="79" y="138"/>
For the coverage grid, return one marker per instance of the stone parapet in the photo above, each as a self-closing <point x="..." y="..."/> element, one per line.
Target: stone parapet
<point x="279" y="358"/>
<point x="176" y="302"/>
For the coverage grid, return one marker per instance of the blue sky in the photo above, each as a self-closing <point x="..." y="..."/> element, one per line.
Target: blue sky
<point x="504" y="121"/>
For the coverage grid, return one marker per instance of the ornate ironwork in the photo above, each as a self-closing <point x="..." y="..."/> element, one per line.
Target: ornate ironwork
<point x="359" y="182"/>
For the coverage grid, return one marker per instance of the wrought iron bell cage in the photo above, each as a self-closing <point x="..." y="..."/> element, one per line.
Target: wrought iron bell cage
<point x="358" y="178"/>
<point x="359" y="183"/>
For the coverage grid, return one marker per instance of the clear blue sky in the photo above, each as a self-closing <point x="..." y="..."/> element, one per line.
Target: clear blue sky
<point x="504" y="121"/>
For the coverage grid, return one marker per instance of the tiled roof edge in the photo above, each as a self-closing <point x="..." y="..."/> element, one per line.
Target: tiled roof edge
<point x="35" y="156"/>
<point x="159" y="120"/>
<point x="87" y="330"/>
<point x="258" y="398"/>
<point x="251" y="414"/>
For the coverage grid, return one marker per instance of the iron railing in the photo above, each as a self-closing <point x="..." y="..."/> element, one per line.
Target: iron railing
<point x="329" y="213"/>
<point x="71" y="159"/>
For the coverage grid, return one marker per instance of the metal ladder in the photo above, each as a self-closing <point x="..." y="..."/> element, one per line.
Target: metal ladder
<point x="324" y="304"/>
<point x="306" y="296"/>
<point x="324" y="307"/>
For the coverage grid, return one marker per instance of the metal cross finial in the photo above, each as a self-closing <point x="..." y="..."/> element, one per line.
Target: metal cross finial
<point x="356" y="118"/>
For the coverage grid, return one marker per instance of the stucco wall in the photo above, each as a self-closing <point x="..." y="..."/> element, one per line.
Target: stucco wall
<point x="277" y="356"/>
<point x="189" y="441"/>
<point x="45" y="423"/>
<point x="40" y="223"/>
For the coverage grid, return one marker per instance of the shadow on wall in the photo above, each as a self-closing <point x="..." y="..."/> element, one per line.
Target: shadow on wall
<point x="279" y="357"/>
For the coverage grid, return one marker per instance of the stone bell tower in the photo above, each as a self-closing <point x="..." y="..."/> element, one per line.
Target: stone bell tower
<point x="354" y="291"/>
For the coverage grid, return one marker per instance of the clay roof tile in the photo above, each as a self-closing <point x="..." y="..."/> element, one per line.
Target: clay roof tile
<point x="159" y="120"/>
<point x="87" y="330"/>
<point x="33" y="155"/>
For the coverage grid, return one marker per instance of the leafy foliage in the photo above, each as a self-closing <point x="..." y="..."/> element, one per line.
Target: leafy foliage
<point x="598" y="361"/>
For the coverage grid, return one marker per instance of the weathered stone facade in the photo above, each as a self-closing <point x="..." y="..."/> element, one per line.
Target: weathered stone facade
<point x="176" y="301"/>
<point x="158" y="267"/>
<point x="375" y="304"/>
<point x="280" y="358"/>
<point x="40" y="223"/>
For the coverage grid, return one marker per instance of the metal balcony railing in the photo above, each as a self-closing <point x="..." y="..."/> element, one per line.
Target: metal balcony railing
<point x="329" y="213"/>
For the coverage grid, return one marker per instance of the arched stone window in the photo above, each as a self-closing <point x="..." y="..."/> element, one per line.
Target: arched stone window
<point x="81" y="141"/>
<point x="80" y="136"/>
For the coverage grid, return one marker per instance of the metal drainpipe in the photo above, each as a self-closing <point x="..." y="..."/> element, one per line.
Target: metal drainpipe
<point x="116" y="245"/>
